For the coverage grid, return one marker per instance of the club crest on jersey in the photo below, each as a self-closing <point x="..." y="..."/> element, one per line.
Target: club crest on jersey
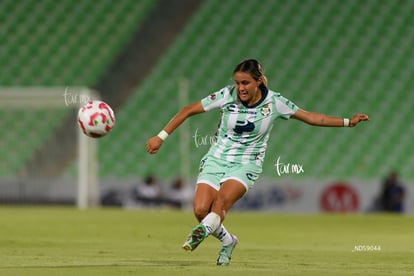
<point x="265" y="110"/>
<point x="213" y="97"/>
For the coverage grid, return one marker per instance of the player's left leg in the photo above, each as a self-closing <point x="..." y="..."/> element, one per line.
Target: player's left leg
<point x="231" y="190"/>
<point x="228" y="243"/>
<point x="223" y="235"/>
<point x="236" y="183"/>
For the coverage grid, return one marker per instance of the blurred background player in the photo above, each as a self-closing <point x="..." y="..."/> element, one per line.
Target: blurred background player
<point x="393" y="194"/>
<point x="234" y="162"/>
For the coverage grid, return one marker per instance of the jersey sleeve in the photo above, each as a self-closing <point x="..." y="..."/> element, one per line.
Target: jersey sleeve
<point x="285" y="107"/>
<point x="215" y="100"/>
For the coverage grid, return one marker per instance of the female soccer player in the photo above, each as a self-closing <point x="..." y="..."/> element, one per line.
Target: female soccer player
<point x="234" y="162"/>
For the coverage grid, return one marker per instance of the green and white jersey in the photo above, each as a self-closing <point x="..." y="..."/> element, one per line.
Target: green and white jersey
<point x="244" y="131"/>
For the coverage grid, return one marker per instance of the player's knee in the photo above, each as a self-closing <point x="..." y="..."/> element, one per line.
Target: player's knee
<point x="200" y="212"/>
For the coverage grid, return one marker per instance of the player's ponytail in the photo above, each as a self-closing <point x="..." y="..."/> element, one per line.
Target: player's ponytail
<point x="254" y="68"/>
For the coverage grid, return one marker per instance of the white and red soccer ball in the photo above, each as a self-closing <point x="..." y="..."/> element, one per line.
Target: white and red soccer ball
<point x="96" y="119"/>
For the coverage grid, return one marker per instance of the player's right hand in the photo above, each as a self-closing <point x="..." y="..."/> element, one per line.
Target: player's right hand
<point x="154" y="144"/>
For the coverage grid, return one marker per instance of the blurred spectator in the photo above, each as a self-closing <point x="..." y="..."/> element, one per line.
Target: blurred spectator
<point x="112" y="197"/>
<point x="149" y="192"/>
<point x="393" y="194"/>
<point x="179" y="195"/>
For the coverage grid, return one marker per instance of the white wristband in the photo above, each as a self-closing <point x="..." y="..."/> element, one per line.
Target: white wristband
<point x="346" y="122"/>
<point x="163" y="135"/>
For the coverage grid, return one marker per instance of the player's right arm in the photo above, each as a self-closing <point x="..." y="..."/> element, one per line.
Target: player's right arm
<point x="154" y="143"/>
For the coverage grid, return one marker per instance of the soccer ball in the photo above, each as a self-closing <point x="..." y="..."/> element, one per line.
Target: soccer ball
<point x="96" y="119"/>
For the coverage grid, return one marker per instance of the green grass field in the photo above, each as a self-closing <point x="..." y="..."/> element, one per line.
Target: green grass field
<point x="67" y="241"/>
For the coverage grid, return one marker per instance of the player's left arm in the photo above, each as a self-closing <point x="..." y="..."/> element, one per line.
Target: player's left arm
<point x="319" y="119"/>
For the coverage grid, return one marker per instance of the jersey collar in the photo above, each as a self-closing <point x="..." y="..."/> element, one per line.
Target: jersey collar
<point x="264" y="91"/>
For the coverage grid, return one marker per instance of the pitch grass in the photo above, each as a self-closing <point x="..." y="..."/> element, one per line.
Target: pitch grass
<point x="67" y="241"/>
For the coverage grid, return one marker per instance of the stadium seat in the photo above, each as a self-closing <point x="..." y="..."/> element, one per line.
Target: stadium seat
<point x="56" y="43"/>
<point x="335" y="57"/>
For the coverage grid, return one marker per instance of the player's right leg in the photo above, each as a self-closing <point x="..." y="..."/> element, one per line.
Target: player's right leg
<point x="208" y="185"/>
<point x="203" y="200"/>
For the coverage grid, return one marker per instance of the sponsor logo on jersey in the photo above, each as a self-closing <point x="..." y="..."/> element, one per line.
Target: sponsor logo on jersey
<point x="243" y="126"/>
<point x="236" y="109"/>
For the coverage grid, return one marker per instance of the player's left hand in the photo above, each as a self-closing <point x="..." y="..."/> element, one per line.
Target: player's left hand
<point x="358" y="118"/>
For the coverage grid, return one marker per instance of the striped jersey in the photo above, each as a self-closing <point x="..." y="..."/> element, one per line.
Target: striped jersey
<point x="244" y="131"/>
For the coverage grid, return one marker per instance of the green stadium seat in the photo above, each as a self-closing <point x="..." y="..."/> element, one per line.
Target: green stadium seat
<point x="56" y="43"/>
<point x="336" y="57"/>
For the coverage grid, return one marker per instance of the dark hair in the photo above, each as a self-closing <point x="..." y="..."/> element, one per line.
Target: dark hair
<point x="252" y="67"/>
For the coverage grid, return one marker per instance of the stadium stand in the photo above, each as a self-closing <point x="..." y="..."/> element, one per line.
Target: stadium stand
<point x="49" y="43"/>
<point x="336" y="57"/>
